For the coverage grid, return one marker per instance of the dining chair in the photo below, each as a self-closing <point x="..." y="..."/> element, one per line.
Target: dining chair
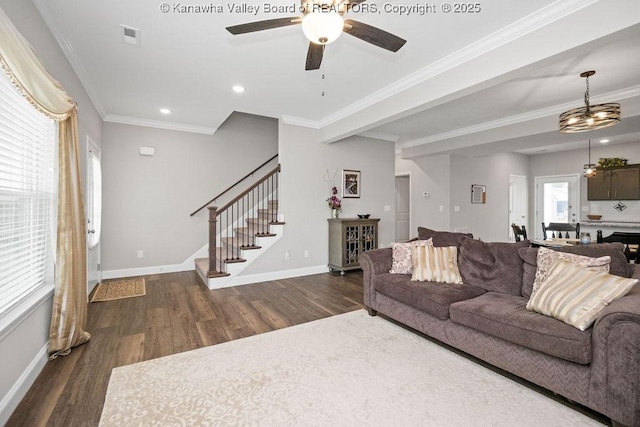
<point x="560" y="227"/>
<point x="519" y="231"/>
<point x="631" y="252"/>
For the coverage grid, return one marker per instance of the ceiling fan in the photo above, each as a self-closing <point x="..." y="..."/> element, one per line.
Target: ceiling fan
<point x="322" y="23"/>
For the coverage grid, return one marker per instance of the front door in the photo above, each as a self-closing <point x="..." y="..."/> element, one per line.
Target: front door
<point x="94" y="214"/>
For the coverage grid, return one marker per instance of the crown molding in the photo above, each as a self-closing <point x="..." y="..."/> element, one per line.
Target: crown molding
<point x="127" y="120"/>
<point x="526" y="25"/>
<point x="298" y="121"/>
<point x="613" y="96"/>
<point x="51" y="17"/>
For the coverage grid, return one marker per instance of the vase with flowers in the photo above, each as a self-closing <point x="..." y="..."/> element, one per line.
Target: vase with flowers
<point x="335" y="204"/>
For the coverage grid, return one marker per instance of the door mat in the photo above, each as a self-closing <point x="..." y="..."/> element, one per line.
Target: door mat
<point x="119" y="289"/>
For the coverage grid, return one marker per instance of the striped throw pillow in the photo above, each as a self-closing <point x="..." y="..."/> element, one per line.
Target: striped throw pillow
<point x="435" y="264"/>
<point x="575" y="294"/>
<point x="546" y="258"/>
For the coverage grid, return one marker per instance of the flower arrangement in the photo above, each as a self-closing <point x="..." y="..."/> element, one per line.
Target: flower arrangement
<point x="334" y="201"/>
<point x="611" y="162"/>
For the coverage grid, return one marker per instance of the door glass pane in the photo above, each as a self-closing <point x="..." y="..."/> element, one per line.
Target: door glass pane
<point x="556" y="202"/>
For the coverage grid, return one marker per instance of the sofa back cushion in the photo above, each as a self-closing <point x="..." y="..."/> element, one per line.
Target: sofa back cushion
<point x="618" y="265"/>
<point x="443" y="238"/>
<point x="492" y="266"/>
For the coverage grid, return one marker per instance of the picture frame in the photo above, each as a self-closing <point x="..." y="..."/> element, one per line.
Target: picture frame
<point x="351" y="184"/>
<point x="478" y="193"/>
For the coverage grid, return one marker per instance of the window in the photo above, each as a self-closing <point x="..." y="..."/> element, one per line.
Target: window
<point x="28" y="197"/>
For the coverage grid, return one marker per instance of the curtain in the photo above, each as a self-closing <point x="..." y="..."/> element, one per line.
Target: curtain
<point x="28" y="74"/>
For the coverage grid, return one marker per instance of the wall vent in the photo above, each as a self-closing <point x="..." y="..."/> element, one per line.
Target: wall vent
<point x="130" y="35"/>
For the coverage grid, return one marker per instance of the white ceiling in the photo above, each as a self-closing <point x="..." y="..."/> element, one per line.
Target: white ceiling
<point x="463" y="83"/>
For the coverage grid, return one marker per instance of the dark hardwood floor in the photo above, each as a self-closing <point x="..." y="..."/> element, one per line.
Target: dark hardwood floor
<point x="177" y="314"/>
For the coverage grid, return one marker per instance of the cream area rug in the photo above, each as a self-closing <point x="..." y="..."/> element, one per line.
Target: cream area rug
<point x="119" y="289"/>
<point x="345" y="370"/>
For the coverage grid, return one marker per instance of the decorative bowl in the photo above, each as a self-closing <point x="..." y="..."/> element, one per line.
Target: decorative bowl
<point x="364" y="216"/>
<point x="594" y="217"/>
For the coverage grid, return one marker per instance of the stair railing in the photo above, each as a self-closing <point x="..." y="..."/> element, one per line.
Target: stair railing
<point x="236" y="225"/>
<point x="232" y="186"/>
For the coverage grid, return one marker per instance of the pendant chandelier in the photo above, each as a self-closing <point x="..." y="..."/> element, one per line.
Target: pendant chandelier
<point x="589" y="169"/>
<point x="589" y="117"/>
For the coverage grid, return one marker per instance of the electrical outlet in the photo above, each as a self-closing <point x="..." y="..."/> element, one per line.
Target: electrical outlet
<point x="287" y="255"/>
<point x="306" y="254"/>
<point x="441" y="208"/>
<point x="140" y="254"/>
<point x="456" y="208"/>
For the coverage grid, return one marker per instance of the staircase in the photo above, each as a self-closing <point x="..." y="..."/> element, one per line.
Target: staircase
<point x="240" y="232"/>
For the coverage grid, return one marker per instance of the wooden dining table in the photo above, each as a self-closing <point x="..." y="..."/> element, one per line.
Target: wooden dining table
<point x="559" y="242"/>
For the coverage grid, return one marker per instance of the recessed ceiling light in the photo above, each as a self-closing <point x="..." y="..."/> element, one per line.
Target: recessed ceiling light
<point x="165" y="111"/>
<point x="604" y="141"/>
<point x="238" y="89"/>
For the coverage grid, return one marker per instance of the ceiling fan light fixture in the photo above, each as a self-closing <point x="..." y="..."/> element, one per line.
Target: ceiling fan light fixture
<point x="322" y="27"/>
<point x="589" y="117"/>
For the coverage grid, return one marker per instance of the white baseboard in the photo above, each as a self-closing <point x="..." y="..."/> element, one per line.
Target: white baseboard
<point x="276" y="275"/>
<point x="11" y="400"/>
<point x="145" y="271"/>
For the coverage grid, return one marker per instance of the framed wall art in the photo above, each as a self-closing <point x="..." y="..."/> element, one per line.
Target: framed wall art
<point x="478" y="193"/>
<point x="350" y="183"/>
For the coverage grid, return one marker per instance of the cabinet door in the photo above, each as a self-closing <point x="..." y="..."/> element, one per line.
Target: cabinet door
<point x="599" y="187"/>
<point x="625" y="184"/>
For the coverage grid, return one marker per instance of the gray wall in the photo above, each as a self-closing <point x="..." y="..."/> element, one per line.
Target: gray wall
<point x="448" y="179"/>
<point x="488" y="221"/>
<point x="428" y="175"/>
<point x="23" y="342"/>
<point x="147" y="200"/>
<point x="304" y="192"/>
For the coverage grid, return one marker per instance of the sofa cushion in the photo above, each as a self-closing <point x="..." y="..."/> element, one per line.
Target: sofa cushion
<point x="618" y="265"/>
<point x="443" y="238"/>
<point x="431" y="297"/>
<point x="575" y="294"/>
<point x="435" y="264"/>
<point x="492" y="266"/>
<point x="506" y="317"/>
<point x="402" y="258"/>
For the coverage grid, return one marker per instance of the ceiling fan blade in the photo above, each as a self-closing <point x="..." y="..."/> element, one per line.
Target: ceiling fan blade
<point x="373" y="35"/>
<point x="314" y="56"/>
<point x="263" y="25"/>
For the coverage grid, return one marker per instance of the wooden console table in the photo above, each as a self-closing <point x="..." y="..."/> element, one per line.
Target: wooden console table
<point x="348" y="238"/>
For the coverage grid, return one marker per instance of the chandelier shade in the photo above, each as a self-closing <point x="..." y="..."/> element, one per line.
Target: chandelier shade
<point x="322" y="27"/>
<point x="589" y="117"/>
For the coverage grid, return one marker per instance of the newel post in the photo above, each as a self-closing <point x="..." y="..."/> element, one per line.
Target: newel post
<point x="213" y="219"/>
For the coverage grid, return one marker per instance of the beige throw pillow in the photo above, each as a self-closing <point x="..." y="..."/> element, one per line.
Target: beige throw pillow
<point x="435" y="264"/>
<point x="546" y="258"/>
<point x="401" y="256"/>
<point x="575" y="294"/>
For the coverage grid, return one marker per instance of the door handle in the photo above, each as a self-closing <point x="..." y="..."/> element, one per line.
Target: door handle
<point x="91" y="231"/>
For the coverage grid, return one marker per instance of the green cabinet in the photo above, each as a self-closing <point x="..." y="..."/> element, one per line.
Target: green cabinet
<point x="615" y="184"/>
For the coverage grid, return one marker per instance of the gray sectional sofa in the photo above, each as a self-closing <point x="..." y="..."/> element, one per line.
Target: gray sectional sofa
<point x="486" y="318"/>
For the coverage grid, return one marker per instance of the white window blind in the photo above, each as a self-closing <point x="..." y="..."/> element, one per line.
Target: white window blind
<point x="28" y="184"/>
